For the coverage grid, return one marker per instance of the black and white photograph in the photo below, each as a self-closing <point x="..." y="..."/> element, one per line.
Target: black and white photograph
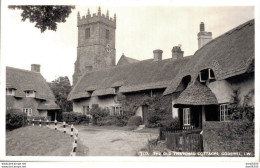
<point x="132" y="80"/>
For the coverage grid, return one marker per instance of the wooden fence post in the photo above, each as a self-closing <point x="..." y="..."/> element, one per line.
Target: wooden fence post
<point x="40" y="123"/>
<point x="64" y="127"/>
<point x="71" y="130"/>
<point x="47" y="124"/>
<point x="55" y="122"/>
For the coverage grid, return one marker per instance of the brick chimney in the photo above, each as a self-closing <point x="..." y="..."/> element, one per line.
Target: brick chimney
<point x="176" y="52"/>
<point x="203" y="36"/>
<point x="36" y="68"/>
<point x="157" y="55"/>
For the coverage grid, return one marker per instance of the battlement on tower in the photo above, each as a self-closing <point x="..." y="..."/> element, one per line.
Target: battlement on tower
<point x="97" y="17"/>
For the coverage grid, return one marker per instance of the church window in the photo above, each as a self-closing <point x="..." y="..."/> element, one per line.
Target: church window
<point x="107" y="34"/>
<point x="87" y="33"/>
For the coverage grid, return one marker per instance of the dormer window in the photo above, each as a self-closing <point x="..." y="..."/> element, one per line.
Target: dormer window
<point x="10" y="91"/>
<point x="203" y="76"/>
<point x="206" y="74"/>
<point x="30" y="93"/>
<point x="116" y="90"/>
<point x="211" y="74"/>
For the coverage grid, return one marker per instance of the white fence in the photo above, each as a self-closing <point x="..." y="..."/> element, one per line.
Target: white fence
<point x="73" y="131"/>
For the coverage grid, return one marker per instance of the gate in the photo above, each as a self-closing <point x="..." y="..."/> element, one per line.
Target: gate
<point x="190" y="141"/>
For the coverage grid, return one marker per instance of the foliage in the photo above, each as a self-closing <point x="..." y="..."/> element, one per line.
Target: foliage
<point x="234" y="136"/>
<point x="37" y="118"/>
<point x="75" y="118"/>
<point x="98" y="114"/>
<point x="135" y="121"/>
<point x="108" y="120"/>
<point x="15" y="118"/>
<point x="44" y="17"/>
<point x="61" y="88"/>
<point x="121" y="120"/>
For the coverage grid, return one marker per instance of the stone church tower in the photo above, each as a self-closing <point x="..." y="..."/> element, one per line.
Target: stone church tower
<point x="96" y="43"/>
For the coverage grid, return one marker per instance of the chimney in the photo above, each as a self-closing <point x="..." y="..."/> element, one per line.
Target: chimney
<point x="176" y="52"/>
<point x="203" y="36"/>
<point x="157" y="55"/>
<point x="36" y="68"/>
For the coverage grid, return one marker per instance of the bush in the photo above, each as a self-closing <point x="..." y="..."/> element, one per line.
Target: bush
<point x="121" y="120"/>
<point x="15" y="118"/>
<point x="98" y="114"/>
<point x="75" y="118"/>
<point x="37" y="118"/>
<point x="154" y="121"/>
<point x="135" y="121"/>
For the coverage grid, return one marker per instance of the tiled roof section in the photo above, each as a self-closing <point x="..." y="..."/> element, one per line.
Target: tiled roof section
<point x="48" y="105"/>
<point x="228" y="55"/>
<point x="196" y="94"/>
<point x="142" y="75"/>
<point x="23" y="80"/>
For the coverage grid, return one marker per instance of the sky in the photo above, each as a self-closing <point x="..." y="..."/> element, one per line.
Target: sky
<point x="140" y="30"/>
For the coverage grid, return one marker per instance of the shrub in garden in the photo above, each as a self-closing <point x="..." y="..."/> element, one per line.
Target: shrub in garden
<point x="15" y="118"/>
<point x="121" y="120"/>
<point x="153" y="121"/>
<point x="98" y="114"/>
<point x="135" y="121"/>
<point x="75" y="118"/>
<point x="108" y="120"/>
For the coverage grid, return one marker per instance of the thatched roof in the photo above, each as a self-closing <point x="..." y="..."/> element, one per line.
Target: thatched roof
<point x="196" y="94"/>
<point x="48" y="105"/>
<point x="142" y="75"/>
<point x="102" y="92"/>
<point x="126" y="60"/>
<point x="228" y="55"/>
<point x="23" y="80"/>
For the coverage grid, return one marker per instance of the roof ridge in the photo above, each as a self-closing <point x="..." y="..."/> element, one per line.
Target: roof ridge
<point x="239" y="27"/>
<point x="22" y="70"/>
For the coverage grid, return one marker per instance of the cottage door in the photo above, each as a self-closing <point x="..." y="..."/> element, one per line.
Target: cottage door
<point x="144" y="113"/>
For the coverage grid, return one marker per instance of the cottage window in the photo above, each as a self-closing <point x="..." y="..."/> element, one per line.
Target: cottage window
<point x="224" y="112"/>
<point x="86" y="110"/>
<point x="28" y="111"/>
<point x="186" y="116"/>
<point x="107" y="34"/>
<point x="211" y="74"/>
<point x="118" y="110"/>
<point x="203" y="76"/>
<point x="30" y="93"/>
<point x="10" y="91"/>
<point x="116" y="90"/>
<point x="87" y="33"/>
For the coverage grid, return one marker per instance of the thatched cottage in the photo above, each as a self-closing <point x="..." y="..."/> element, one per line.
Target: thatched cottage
<point x="29" y="92"/>
<point x="218" y="74"/>
<point x="128" y="85"/>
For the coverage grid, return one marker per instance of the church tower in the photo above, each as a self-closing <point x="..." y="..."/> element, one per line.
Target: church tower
<point x="96" y="43"/>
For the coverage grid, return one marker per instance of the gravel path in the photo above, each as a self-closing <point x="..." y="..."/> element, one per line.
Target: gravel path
<point x="105" y="142"/>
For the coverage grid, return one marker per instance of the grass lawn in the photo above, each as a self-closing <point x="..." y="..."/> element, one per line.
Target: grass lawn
<point x="36" y="141"/>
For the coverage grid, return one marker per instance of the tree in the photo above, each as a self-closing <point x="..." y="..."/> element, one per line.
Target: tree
<point x="44" y="17"/>
<point x="61" y="88"/>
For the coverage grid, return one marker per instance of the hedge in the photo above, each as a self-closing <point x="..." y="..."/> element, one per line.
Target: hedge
<point x="135" y="121"/>
<point x="15" y="118"/>
<point x="75" y="118"/>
